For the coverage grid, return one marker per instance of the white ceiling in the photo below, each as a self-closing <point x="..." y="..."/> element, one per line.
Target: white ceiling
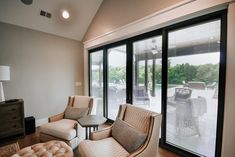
<point x="81" y="11"/>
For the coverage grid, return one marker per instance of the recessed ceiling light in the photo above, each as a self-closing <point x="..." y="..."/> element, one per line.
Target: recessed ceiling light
<point x="27" y="2"/>
<point x="65" y="14"/>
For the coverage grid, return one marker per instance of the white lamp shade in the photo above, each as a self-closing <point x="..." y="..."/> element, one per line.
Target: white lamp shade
<point x="4" y="73"/>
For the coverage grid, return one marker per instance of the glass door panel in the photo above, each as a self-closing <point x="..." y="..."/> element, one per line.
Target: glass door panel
<point x="192" y="94"/>
<point x="116" y="79"/>
<point x="147" y="63"/>
<point x="96" y="81"/>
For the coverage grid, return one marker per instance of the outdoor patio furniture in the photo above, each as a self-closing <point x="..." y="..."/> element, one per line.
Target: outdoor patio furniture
<point x="197" y="85"/>
<point x="187" y="110"/>
<point x="212" y="85"/>
<point x="184" y="84"/>
<point x="188" y="113"/>
<point x="216" y="92"/>
<point x="142" y="95"/>
<point x="182" y="93"/>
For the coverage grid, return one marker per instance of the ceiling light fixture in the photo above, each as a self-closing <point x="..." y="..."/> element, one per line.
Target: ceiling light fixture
<point x="65" y="14"/>
<point x="27" y="2"/>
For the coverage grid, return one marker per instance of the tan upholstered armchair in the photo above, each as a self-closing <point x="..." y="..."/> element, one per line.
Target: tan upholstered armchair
<point x="103" y="144"/>
<point x="61" y="128"/>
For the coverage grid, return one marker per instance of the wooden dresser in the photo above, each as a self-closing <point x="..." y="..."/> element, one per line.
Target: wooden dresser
<point x="12" y="118"/>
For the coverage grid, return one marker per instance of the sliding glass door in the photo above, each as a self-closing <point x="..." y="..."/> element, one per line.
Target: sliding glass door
<point x="192" y="87"/>
<point x="178" y="71"/>
<point x="147" y="63"/>
<point x="97" y="81"/>
<point x="116" y="79"/>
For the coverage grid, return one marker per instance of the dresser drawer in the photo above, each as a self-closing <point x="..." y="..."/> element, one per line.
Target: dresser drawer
<point x="11" y="125"/>
<point x="11" y="118"/>
<point x="7" y="118"/>
<point x="10" y="109"/>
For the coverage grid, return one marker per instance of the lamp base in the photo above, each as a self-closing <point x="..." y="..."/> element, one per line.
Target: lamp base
<point x="2" y="97"/>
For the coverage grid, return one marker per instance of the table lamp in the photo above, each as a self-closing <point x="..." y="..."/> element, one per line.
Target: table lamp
<point x="4" y="76"/>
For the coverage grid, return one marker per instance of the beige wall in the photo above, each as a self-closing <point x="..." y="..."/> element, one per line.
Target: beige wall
<point x="115" y="13"/>
<point x="44" y="69"/>
<point x="228" y="149"/>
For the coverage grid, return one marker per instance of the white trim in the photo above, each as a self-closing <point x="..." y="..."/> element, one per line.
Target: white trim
<point x="181" y="11"/>
<point x="41" y="121"/>
<point x="142" y="19"/>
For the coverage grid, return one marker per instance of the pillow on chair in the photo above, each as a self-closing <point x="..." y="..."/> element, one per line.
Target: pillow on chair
<point x="128" y="136"/>
<point x="75" y="113"/>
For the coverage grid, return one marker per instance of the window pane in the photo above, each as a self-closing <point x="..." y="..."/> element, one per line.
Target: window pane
<point x="193" y="80"/>
<point x="147" y="73"/>
<point x="116" y="79"/>
<point x="96" y="73"/>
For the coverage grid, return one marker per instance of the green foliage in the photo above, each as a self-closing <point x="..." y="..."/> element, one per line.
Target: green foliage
<point x="207" y="73"/>
<point x="141" y="75"/>
<point x="182" y="72"/>
<point x="158" y="74"/>
<point x="116" y="74"/>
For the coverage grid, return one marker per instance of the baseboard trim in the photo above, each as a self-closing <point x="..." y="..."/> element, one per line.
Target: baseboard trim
<point x="41" y="121"/>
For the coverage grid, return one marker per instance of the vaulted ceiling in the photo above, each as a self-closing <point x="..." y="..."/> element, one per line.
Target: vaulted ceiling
<point x="28" y="16"/>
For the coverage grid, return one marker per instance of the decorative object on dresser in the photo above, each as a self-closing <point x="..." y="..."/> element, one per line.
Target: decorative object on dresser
<point x="4" y="76"/>
<point x="12" y="118"/>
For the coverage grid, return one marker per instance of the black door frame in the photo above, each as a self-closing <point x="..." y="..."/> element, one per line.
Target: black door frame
<point x="222" y="15"/>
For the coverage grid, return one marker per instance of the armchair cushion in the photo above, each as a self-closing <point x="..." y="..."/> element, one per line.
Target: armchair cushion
<point x="139" y="119"/>
<point x="107" y="147"/>
<point x="81" y="101"/>
<point x="128" y="136"/>
<point x="63" y="129"/>
<point x="75" y="113"/>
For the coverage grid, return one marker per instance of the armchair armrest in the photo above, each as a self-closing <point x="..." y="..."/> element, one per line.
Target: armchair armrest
<point x="76" y="128"/>
<point x="56" y="117"/>
<point x="101" y="134"/>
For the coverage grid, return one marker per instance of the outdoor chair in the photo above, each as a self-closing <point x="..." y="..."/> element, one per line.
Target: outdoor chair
<point x="197" y="85"/>
<point x="142" y="95"/>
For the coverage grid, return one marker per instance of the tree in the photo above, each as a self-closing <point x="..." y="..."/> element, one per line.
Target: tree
<point x="208" y="73"/>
